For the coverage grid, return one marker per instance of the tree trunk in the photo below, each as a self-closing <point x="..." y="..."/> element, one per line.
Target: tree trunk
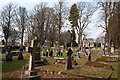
<point x="72" y="37"/>
<point x="81" y="45"/>
<point x="78" y="40"/>
<point x="6" y="41"/>
<point x="22" y="34"/>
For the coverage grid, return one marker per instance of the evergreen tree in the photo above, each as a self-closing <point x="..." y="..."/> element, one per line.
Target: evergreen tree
<point x="74" y="15"/>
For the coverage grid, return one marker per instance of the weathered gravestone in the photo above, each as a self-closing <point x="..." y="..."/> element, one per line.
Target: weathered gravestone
<point x="31" y="74"/>
<point x="8" y="56"/>
<point x="69" y="60"/>
<point x="20" y="56"/>
<point x="36" y="48"/>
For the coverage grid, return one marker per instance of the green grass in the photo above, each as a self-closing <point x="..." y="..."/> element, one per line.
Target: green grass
<point x="13" y="65"/>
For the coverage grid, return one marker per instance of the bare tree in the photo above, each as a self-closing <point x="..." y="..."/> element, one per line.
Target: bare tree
<point x="7" y="15"/>
<point x="14" y="36"/>
<point x="86" y="10"/>
<point x="61" y="12"/>
<point x="40" y="18"/>
<point x="21" y="21"/>
<point x="51" y="29"/>
<point x="65" y="38"/>
<point x="108" y="9"/>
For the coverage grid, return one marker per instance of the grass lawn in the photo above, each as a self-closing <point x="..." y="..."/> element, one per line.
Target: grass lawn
<point x="13" y="65"/>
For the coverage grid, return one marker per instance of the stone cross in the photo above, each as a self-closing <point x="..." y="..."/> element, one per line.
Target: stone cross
<point x="31" y="73"/>
<point x="34" y="44"/>
<point x="69" y="60"/>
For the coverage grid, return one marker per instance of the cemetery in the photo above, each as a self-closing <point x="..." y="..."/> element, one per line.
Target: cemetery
<point x="67" y="65"/>
<point x="76" y="41"/>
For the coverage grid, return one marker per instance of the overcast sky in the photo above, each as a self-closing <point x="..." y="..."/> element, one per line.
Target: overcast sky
<point x="92" y="32"/>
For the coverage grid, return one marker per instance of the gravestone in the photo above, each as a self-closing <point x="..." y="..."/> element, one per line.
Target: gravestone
<point x="46" y="53"/>
<point x="61" y="54"/>
<point x="38" y="61"/>
<point x="43" y="52"/>
<point x="45" y="62"/>
<point x="26" y="49"/>
<point x="103" y="49"/>
<point x="112" y="48"/>
<point x="108" y="52"/>
<point x="51" y="53"/>
<point x="69" y="60"/>
<point x="89" y="55"/>
<point x="20" y="56"/>
<point x="31" y="74"/>
<point x="8" y="56"/>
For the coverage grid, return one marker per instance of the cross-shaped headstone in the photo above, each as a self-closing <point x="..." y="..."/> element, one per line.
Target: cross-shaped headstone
<point x="33" y="49"/>
<point x="31" y="73"/>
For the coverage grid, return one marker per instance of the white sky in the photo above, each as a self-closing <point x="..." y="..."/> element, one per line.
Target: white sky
<point x="93" y="31"/>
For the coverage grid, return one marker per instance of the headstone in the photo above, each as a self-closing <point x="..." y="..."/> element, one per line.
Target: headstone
<point x="46" y="53"/>
<point x="58" y="53"/>
<point x="26" y="49"/>
<point x="109" y="50"/>
<point x="112" y="48"/>
<point x="69" y="60"/>
<point x="45" y="62"/>
<point x="9" y="56"/>
<point x="20" y="56"/>
<point x="43" y="52"/>
<point x="61" y="54"/>
<point x="89" y="55"/>
<point x="51" y="53"/>
<point x="31" y="74"/>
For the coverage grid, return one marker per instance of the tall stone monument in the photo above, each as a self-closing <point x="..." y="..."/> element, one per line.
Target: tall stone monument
<point x="69" y="60"/>
<point x="31" y="74"/>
